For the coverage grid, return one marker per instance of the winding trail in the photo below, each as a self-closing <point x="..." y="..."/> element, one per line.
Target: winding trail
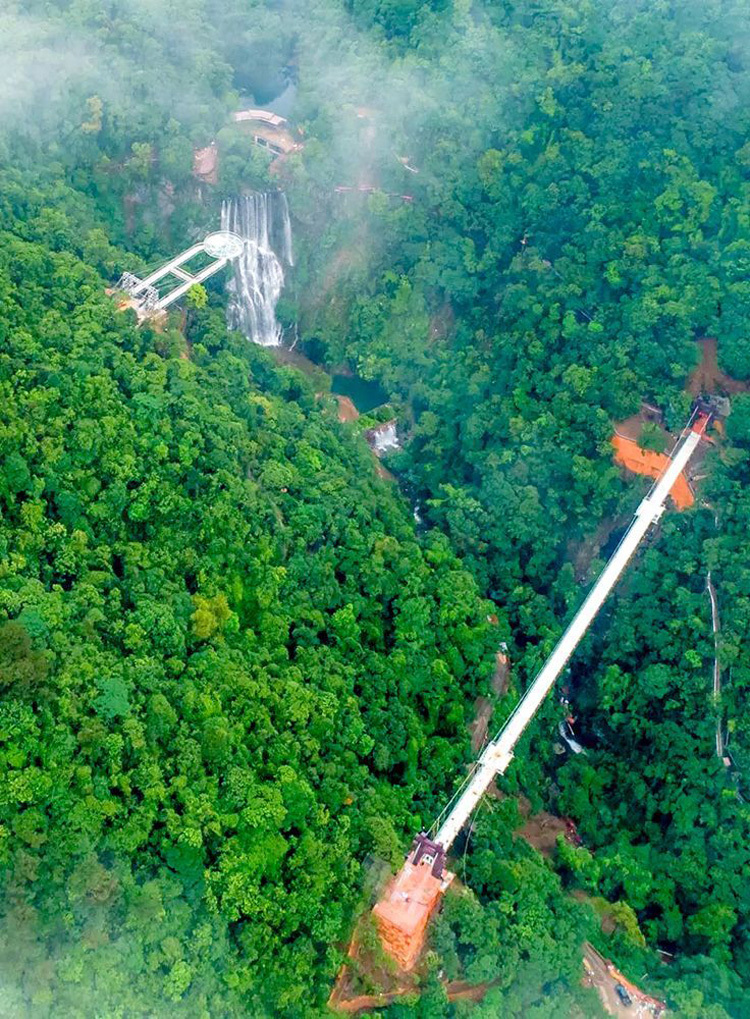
<point x="716" y="624"/>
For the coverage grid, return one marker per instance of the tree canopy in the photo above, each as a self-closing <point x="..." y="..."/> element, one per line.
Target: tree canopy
<point x="233" y="665"/>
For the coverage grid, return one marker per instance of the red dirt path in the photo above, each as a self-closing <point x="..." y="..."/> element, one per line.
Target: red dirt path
<point x="708" y="376"/>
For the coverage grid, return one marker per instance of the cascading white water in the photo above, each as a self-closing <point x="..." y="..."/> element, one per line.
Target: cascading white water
<point x="262" y="220"/>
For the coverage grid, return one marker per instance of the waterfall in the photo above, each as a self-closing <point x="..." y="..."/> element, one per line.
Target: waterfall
<point x="383" y="438"/>
<point x="262" y="220"/>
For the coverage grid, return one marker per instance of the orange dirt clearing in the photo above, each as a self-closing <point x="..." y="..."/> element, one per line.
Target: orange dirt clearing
<point x="645" y="461"/>
<point x="632" y="427"/>
<point x="347" y="410"/>
<point x="542" y="830"/>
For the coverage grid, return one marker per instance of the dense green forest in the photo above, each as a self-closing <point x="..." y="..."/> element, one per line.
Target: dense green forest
<point x="234" y="672"/>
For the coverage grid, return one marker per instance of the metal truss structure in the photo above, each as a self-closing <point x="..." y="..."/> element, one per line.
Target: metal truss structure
<point x="220" y="248"/>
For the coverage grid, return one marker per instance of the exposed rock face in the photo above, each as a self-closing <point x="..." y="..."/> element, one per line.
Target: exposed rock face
<point x="206" y="164"/>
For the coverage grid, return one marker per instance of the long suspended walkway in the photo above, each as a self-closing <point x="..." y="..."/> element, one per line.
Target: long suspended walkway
<point x="403" y="913"/>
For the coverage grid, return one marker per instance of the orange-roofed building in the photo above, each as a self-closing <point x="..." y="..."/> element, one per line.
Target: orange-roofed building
<point x="410" y="900"/>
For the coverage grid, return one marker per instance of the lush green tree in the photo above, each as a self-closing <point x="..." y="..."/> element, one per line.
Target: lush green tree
<point x="230" y="668"/>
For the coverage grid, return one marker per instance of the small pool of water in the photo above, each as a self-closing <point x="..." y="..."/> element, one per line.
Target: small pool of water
<point x="365" y="396"/>
<point x="283" y="104"/>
